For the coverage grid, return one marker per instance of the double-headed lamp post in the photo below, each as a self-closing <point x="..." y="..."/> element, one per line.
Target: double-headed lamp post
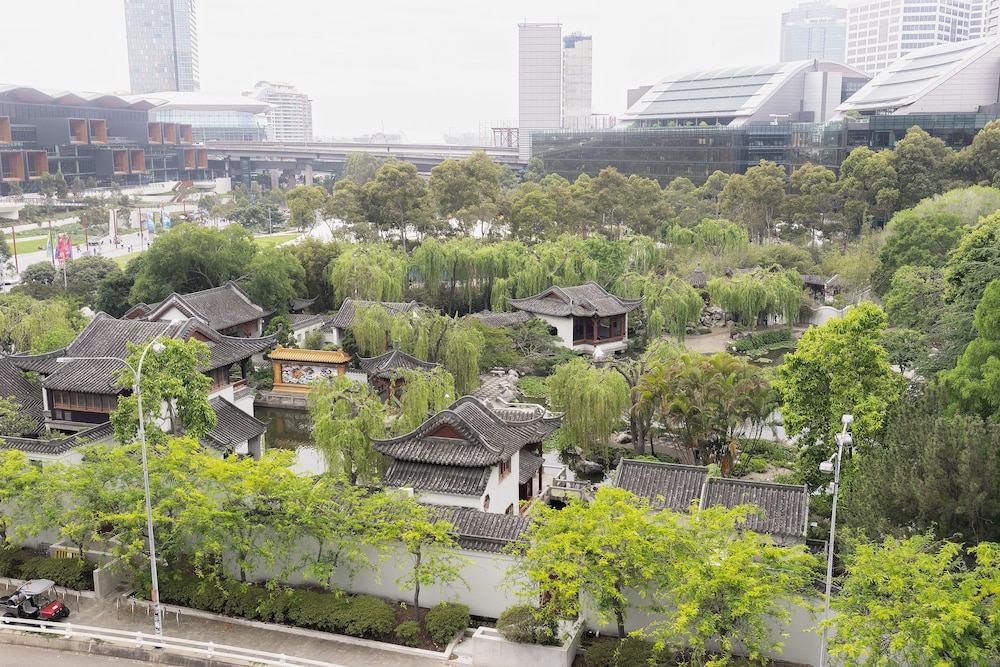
<point x="157" y="347"/>
<point x="832" y="464"/>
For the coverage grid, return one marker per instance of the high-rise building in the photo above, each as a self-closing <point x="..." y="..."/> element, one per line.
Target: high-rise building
<point x="539" y="80"/>
<point x="162" y="38"/>
<point x="290" y="116"/>
<point x="881" y="31"/>
<point x="814" y="31"/>
<point x="577" y="83"/>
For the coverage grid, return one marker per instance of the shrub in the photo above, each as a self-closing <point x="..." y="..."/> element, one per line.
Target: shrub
<point x="68" y="572"/>
<point x="532" y="386"/>
<point x="370" y="617"/>
<point x="408" y="632"/>
<point x="522" y="623"/>
<point x="625" y="653"/>
<point x="445" y="620"/>
<point x="11" y="561"/>
<point x="762" y="339"/>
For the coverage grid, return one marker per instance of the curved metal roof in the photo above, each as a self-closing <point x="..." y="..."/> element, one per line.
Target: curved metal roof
<point x="920" y="72"/>
<point x="30" y="95"/>
<point x="191" y="101"/>
<point x="737" y="92"/>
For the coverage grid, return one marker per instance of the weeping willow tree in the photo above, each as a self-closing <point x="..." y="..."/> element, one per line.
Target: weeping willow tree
<point x="345" y="415"/>
<point x="593" y="402"/>
<point x="462" y="351"/>
<point x="566" y="263"/>
<point x="424" y="393"/>
<point x="374" y="329"/>
<point x="670" y="303"/>
<point x="758" y="293"/>
<point x="452" y="272"/>
<point x="375" y="272"/>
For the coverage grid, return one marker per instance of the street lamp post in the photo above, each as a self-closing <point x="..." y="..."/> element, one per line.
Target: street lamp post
<point x="833" y="465"/>
<point x="157" y="347"/>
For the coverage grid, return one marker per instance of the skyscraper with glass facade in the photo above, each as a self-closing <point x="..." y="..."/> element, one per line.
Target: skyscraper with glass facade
<point x="578" y="56"/>
<point x="814" y="31"/>
<point x="162" y="38"/>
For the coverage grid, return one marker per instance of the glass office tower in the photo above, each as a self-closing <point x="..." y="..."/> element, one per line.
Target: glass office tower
<point x="814" y="31"/>
<point x="539" y="81"/>
<point x="162" y="38"/>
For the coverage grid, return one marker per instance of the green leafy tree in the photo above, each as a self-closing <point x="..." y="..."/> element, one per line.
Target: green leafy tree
<point x="38" y="326"/>
<point x="868" y="186"/>
<point x="13" y="421"/>
<point x="303" y="202"/>
<point x="346" y="416"/>
<point x="593" y="402"/>
<point x="20" y="485"/>
<point x="974" y="383"/>
<point x="597" y="553"/>
<point x="707" y="401"/>
<point x="982" y="157"/>
<point x="839" y="368"/>
<point x="274" y="278"/>
<point x="190" y="258"/>
<point x="374" y="272"/>
<point x="171" y="383"/>
<point x="360" y="168"/>
<point x="397" y="198"/>
<point x="916" y="240"/>
<point x="916" y="298"/>
<point x="923" y="165"/>
<point x="427" y="540"/>
<point x="315" y="257"/>
<point x="906" y="348"/>
<point x="932" y="472"/>
<point x="757" y="294"/>
<point x="754" y="199"/>
<point x="918" y="603"/>
<point x="813" y="196"/>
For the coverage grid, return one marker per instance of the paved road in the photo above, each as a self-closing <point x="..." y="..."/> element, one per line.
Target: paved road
<point x="22" y="656"/>
<point x="326" y="647"/>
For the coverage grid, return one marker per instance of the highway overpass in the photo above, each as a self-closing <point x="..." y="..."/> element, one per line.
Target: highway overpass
<point x="242" y="159"/>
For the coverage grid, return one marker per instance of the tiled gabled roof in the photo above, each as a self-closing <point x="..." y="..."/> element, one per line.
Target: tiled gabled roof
<point x="587" y="300"/>
<point x="672" y="486"/>
<point x="345" y="316"/>
<point x="786" y="506"/>
<point x="529" y="463"/>
<point x="437" y="478"/>
<point x="664" y="485"/>
<point x="219" y="307"/>
<point x="492" y="319"/>
<point x="485" y="438"/>
<point x="391" y="364"/>
<point x="232" y="425"/>
<point x="56" y="446"/>
<point x="14" y="384"/>
<point x="483" y="531"/>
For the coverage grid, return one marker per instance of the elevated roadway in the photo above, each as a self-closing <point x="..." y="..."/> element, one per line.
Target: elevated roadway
<point x="329" y="157"/>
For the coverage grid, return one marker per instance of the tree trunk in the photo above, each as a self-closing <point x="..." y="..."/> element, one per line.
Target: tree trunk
<point x="620" y="618"/>
<point x="416" y="585"/>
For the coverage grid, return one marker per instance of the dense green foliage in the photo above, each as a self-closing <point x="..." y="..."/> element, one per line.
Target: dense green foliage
<point x="445" y="620"/>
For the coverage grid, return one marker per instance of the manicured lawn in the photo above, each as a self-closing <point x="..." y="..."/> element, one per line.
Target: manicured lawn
<point x="268" y="242"/>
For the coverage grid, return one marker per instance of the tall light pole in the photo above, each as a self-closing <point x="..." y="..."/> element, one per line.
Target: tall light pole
<point x="833" y="465"/>
<point x="157" y="347"/>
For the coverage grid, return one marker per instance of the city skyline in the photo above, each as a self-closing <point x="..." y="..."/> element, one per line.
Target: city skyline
<point x="423" y="73"/>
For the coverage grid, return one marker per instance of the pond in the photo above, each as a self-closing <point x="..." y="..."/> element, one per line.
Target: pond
<point x="292" y="429"/>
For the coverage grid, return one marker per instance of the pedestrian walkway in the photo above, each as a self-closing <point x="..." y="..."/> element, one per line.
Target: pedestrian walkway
<point x="127" y="615"/>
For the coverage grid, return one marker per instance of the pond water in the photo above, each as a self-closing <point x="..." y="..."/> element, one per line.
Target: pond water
<point x="292" y="429"/>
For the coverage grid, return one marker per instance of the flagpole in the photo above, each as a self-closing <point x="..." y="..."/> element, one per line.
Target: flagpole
<point x="13" y="240"/>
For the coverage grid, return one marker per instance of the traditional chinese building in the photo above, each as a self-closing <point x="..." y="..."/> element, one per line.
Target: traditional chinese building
<point x="295" y="370"/>
<point x="386" y="372"/>
<point x="226" y="309"/>
<point x="587" y="317"/>
<point x="335" y="328"/>
<point x="471" y="456"/>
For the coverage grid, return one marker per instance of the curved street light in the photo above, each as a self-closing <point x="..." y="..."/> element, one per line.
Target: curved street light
<point x="157" y="347"/>
<point x="832" y="464"/>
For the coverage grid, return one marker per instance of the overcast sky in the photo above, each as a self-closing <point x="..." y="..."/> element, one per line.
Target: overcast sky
<point x="420" y="68"/>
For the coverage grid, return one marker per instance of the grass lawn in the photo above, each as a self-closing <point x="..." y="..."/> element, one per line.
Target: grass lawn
<point x="268" y="242"/>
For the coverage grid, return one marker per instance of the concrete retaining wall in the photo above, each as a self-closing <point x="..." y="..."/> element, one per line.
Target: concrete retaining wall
<point x="490" y="649"/>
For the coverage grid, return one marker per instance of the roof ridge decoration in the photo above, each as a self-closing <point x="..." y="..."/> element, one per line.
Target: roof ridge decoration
<point x="447" y="417"/>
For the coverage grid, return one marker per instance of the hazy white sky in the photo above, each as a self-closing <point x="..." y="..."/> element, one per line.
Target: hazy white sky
<point x="420" y="68"/>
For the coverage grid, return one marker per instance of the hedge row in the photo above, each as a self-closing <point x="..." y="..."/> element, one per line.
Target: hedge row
<point x="72" y="573"/>
<point x="762" y="340"/>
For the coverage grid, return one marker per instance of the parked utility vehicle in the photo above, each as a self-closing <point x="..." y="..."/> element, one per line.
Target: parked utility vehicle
<point x="33" y="599"/>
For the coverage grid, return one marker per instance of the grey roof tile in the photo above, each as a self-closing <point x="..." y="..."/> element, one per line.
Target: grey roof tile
<point x="345" y="316"/>
<point x="232" y="425"/>
<point x="492" y="319"/>
<point x="56" y="446"/>
<point x="389" y="365"/>
<point x="13" y="383"/>
<point x="438" y="478"/>
<point x="664" y="485"/>
<point x="484" y="437"/>
<point x="483" y="531"/>
<point x="220" y="307"/>
<point x="587" y="300"/>
<point x="529" y="465"/>
<point x="786" y="507"/>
